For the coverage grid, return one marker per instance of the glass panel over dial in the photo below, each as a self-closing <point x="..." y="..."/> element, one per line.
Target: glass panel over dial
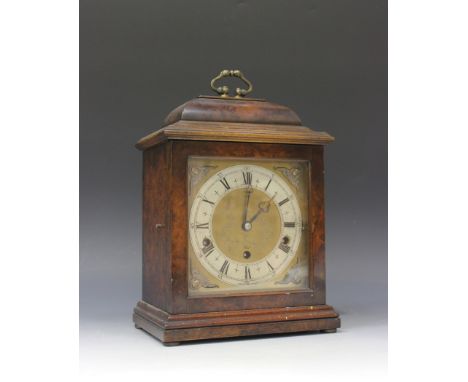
<point x="247" y="225"/>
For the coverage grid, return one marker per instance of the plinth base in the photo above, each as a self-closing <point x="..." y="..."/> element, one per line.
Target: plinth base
<point x="171" y="329"/>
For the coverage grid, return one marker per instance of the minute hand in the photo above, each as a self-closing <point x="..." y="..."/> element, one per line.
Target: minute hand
<point x="248" y="191"/>
<point x="262" y="207"/>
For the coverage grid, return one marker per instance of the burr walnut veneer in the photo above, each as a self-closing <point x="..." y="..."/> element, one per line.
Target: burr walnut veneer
<point x="183" y="301"/>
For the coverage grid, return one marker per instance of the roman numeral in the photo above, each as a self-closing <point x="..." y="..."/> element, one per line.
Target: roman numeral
<point x="225" y="267"/>
<point x="208" y="201"/>
<point x="270" y="266"/>
<point x="202" y="226"/>
<point x="208" y="249"/>
<point x="225" y="183"/>
<point x="247" y="274"/>
<point x="247" y="177"/>
<point x="283" y="201"/>
<point x="266" y="188"/>
<point x="290" y="224"/>
<point x="284" y="247"/>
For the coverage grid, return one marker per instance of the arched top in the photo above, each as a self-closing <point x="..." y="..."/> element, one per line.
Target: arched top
<point x="236" y="110"/>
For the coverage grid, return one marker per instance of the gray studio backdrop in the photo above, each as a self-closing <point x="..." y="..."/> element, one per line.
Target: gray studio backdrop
<point x="139" y="59"/>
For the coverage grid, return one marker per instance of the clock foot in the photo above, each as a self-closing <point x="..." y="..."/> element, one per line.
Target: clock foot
<point x="328" y="331"/>
<point x="171" y="343"/>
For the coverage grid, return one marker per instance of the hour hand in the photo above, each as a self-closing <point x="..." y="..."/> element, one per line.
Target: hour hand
<point x="262" y="207"/>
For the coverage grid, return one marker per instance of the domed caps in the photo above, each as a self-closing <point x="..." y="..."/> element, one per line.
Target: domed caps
<point x="235" y="119"/>
<point x="235" y="110"/>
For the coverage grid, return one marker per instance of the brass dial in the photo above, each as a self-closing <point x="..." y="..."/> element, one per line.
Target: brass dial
<point x="245" y="225"/>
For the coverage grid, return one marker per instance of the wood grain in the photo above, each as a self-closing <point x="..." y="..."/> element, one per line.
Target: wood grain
<point x="241" y="110"/>
<point x="178" y="321"/>
<point x="165" y="250"/>
<point x="156" y="226"/>
<point x="174" y="329"/>
<point x="235" y="132"/>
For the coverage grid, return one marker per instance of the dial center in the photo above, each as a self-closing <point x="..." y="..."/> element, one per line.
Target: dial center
<point x="247" y="226"/>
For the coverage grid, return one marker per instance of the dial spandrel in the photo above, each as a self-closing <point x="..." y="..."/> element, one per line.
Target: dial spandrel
<point x="245" y="225"/>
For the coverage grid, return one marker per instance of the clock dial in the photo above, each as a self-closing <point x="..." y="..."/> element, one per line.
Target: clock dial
<point x="245" y="225"/>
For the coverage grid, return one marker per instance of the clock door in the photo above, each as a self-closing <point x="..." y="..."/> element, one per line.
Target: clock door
<point x="247" y="222"/>
<point x="247" y="226"/>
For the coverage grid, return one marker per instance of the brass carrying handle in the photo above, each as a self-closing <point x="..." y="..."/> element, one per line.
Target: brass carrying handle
<point x="223" y="91"/>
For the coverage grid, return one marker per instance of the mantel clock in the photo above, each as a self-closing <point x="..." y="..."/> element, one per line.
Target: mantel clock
<point x="233" y="221"/>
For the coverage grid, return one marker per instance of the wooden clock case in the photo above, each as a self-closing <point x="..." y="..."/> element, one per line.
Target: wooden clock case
<point x="223" y="127"/>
